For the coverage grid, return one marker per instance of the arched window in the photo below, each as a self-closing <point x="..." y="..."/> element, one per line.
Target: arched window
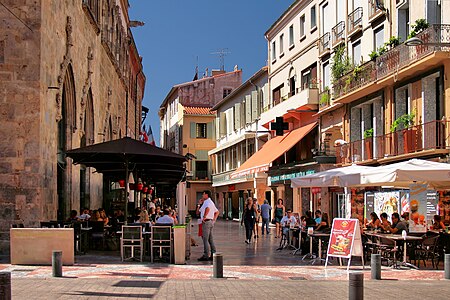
<point x="66" y="128"/>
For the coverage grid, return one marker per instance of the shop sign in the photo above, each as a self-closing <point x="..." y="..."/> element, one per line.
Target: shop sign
<point x="345" y="239"/>
<point x="289" y="176"/>
<point x="232" y="187"/>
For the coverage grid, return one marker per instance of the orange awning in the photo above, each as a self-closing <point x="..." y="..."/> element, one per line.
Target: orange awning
<point x="272" y="149"/>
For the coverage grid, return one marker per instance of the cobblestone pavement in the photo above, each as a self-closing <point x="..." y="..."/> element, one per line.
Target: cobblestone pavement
<point x="251" y="271"/>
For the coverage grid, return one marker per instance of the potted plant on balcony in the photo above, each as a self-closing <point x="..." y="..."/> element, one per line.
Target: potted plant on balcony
<point x="325" y="97"/>
<point x="368" y="142"/>
<point x="409" y="134"/>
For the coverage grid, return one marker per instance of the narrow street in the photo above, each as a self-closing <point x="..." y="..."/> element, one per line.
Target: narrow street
<point x="251" y="271"/>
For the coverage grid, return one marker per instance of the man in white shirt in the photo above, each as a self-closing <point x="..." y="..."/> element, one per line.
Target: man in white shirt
<point x="287" y="220"/>
<point x="166" y="219"/>
<point x="208" y="215"/>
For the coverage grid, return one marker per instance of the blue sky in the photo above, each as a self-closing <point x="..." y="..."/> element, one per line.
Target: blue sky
<point x="176" y="32"/>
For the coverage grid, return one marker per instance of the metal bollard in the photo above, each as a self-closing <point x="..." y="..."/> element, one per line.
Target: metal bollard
<point x="5" y="285"/>
<point x="356" y="286"/>
<point x="217" y="265"/>
<point x="57" y="263"/>
<point x="375" y="266"/>
<point x="447" y="266"/>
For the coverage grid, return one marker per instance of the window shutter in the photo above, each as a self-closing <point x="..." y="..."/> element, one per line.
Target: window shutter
<point x="237" y="116"/>
<point x="209" y="129"/>
<point x="254" y="105"/>
<point x="222" y="125"/>
<point x="193" y="130"/>
<point x="248" y="109"/>
<point x="213" y="130"/>
<point x="193" y="168"/>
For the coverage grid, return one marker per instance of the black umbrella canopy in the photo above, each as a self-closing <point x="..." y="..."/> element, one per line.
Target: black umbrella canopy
<point x="124" y="150"/>
<point x="117" y="156"/>
<point x="127" y="154"/>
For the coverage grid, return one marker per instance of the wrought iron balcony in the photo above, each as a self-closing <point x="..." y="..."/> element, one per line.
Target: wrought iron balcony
<point x="358" y="77"/>
<point x="324" y="44"/>
<point x="435" y="38"/>
<point x="416" y="139"/>
<point x="355" y="21"/>
<point x="338" y="34"/>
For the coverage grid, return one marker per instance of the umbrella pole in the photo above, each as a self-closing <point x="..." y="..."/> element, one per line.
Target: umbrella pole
<point x="126" y="192"/>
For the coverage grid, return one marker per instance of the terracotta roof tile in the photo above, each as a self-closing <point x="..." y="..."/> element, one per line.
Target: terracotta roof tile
<point x="191" y="110"/>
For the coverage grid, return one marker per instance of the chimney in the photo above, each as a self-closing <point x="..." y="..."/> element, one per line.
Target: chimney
<point x="217" y="72"/>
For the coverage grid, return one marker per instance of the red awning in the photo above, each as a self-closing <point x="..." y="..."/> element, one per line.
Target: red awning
<point x="272" y="149"/>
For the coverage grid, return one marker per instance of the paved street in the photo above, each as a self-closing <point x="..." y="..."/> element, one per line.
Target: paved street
<point x="251" y="271"/>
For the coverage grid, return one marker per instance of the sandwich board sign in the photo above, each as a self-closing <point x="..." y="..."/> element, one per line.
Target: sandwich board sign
<point x="345" y="240"/>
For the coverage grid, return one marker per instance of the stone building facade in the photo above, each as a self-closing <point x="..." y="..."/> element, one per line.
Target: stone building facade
<point x="65" y="82"/>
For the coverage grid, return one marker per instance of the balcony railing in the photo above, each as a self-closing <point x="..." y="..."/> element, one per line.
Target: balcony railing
<point x="324" y="43"/>
<point x="428" y="136"/>
<point x="374" y="10"/>
<point x="403" y="55"/>
<point x="360" y="76"/>
<point x="337" y="33"/>
<point x="355" y="20"/>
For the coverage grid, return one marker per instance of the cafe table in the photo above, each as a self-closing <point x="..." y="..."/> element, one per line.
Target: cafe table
<point x="319" y="235"/>
<point x="398" y="238"/>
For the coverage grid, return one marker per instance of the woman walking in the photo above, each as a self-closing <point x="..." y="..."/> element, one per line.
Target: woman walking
<point x="248" y="218"/>
<point x="279" y="213"/>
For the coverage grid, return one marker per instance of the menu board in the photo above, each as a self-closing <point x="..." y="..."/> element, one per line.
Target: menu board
<point x="341" y="239"/>
<point x="345" y="240"/>
<point x="418" y="208"/>
<point x="444" y="206"/>
<point x="369" y="198"/>
<point x="432" y="204"/>
<point x="357" y="202"/>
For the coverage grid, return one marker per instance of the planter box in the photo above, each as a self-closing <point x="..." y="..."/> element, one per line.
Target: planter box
<point x="34" y="246"/>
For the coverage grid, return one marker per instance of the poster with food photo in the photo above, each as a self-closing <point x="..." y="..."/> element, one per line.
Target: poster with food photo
<point x="386" y="202"/>
<point x="341" y="239"/>
<point x="418" y="208"/>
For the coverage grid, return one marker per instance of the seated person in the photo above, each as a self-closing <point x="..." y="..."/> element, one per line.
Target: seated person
<point x="286" y="221"/>
<point x="95" y="216"/>
<point x="437" y="223"/>
<point x="85" y="216"/>
<point x="405" y="217"/>
<point x="103" y="216"/>
<point x="166" y="219"/>
<point x="384" y="221"/>
<point x="143" y="217"/>
<point x="324" y="224"/>
<point x="118" y="215"/>
<point x="397" y="226"/>
<point x="152" y="214"/>
<point x="318" y="217"/>
<point x="310" y="222"/>
<point x="73" y="216"/>
<point x="374" y="221"/>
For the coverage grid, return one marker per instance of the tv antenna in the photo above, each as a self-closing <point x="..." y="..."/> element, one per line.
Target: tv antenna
<point x="222" y="52"/>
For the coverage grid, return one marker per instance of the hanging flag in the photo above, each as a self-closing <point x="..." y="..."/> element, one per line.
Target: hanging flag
<point x="151" y="140"/>
<point x="143" y="135"/>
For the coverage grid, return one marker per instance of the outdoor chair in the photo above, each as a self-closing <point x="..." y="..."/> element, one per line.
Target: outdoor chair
<point x="427" y="250"/>
<point x="131" y="238"/>
<point x="388" y="250"/>
<point x="161" y="238"/>
<point x="97" y="233"/>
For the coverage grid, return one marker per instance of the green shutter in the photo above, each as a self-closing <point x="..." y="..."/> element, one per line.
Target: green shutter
<point x="248" y="109"/>
<point x="254" y="105"/>
<point x="237" y="116"/>
<point x="193" y="130"/>
<point x="209" y="130"/>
